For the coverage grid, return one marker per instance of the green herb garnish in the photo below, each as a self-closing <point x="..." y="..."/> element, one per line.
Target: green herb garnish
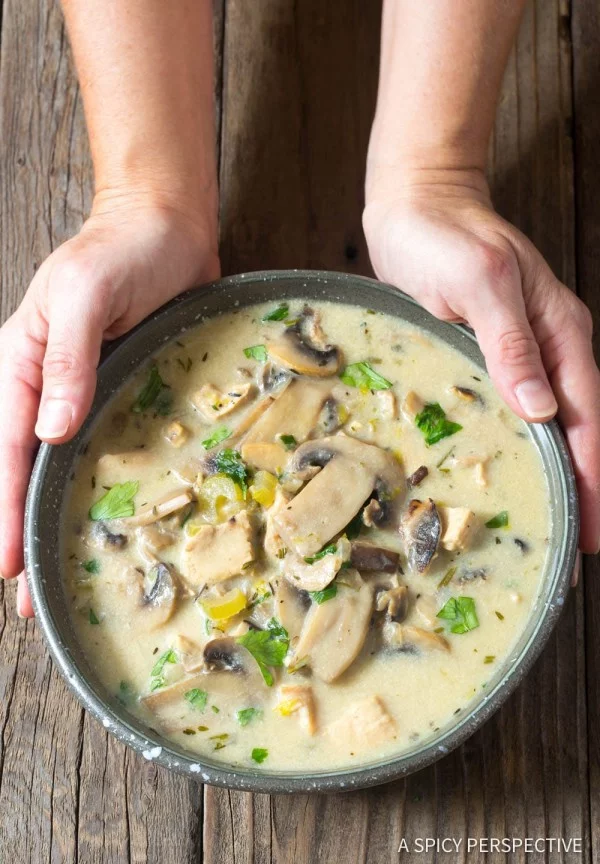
<point x="214" y="709"/>
<point x="93" y="618"/>
<point x="189" y="731"/>
<point x="277" y="314"/>
<point x="246" y="715"/>
<point x="288" y="441"/>
<point x="197" y="698"/>
<point x="257" y="352"/>
<point x="433" y="424"/>
<point x="92" y="566"/>
<point x="499" y="521"/>
<point x="230" y="463"/>
<point x="326" y="594"/>
<point x="499" y="615"/>
<point x="354" y="526"/>
<point x="154" y="388"/>
<point x="268" y="647"/>
<point x="490" y="658"/>
<point x="259" y="754"/>
<point x="157" y="678"/>
<point x="217" y="436"/>
<point x="447" y="578"/>
<point x="460" y="610"/>
<point x="117" y="503"/>
<point x="327" y="550"/>
<point x="363" y="376"/>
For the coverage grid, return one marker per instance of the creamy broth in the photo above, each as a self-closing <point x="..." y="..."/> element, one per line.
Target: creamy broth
<point x="194" y="604"/>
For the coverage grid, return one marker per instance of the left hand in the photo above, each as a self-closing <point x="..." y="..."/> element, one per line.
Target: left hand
<point x="437" y="237"/>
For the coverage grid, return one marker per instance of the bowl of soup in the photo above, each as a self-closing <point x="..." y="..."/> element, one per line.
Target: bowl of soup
<point x="300" y="543"/>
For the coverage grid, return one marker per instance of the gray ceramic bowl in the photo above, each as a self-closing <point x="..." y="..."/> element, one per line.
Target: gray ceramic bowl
<point x="54" y="465"/>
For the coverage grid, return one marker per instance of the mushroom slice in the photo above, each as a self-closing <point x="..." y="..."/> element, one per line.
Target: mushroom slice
<point x="318" y="575"/>
<point x="291" y="606"/>
<point x="334" y="632"/>
<point x="225" y="655"/>
<point x="102" y="537"/>
<point x="329" y="418"/>
<point x="171" y="504"/>
<point x="173" y="694"/>
<point x="304" y="349"/>
<point x="417" y="476"/>
<point x="421" y="529"/>
<point x="366" y="724"/>
<point x="387" y="404"/>
<point x="408" y="638"/>
<point x="299" y="698"/>
<point x="214" y="404"/>
<point x="465" y="394"/>
<point x="147" y="601"/>
<point x="154" y="538"/>
<point x="252" y="415"/>
<point x="295" y="412"/>
<point x="412" y="405"/>
<point x="351" y="471"/>
<point x="366" y="556"/>
<point x="265" y="456"/>
<point x="218" y="552"/>
<point x="273" y="377"/>
<point x="394" y="602"/>
<point x="459" y="525"/>
<point x="190" y="653"/>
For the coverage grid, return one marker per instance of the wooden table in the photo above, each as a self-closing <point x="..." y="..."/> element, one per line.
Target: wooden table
<point x="295" y="92"/>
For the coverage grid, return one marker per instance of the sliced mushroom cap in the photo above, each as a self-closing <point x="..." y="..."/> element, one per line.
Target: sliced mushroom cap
<point x="225" y="655"/>
<point x="394" y="602"/>
<point x="149" y="600"/>
<point x="273" y="378"/>
<point x="304" y="350"/>
<point x="408" y="638"/>
<point x="295" y="411"/>
<point x="351" y="471"/>
<point x="104" y="538"/>
<point x="334" y="632"/>
<point x="417" y="476"/>
<point x="318" y="575"/>
<point x="367" y="556"/>
<point x="218" y="552"/>
<point x="291" y="606"/>
<point x="421" y="529"/>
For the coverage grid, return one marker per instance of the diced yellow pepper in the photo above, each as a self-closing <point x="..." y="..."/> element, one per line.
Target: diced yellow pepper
<point x="263" y="488"/>
<point x="220" y="498"/>
<point x="226" y="606"/>
<point x="287" y="707"/>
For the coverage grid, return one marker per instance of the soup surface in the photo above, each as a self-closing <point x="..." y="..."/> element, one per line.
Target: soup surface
<point x="299" y="538"/>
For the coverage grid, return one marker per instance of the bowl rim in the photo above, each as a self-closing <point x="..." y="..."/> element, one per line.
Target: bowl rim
<point x="168" y="755"/>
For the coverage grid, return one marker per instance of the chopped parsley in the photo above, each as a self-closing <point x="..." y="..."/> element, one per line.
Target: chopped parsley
<point x="278" y="314"/>
<point x="92" y="566"/>
<point x="363" y="376"/>
<point x="230" y="463"/>
<point x="499" y="615"/>
<point x="217" y="436"/>
<point x="326" y="594"/>
<point x="116" y="503"/>
<point x="354" y="526"/>
<point x="433" y="424"/>
<point x="499" y="521"/>
<point x="461" y="612"/>
<point x="197" y="698"/>
<point x="268" y="647"/>
<point x="256" y="352"/>
<point x="93" y="618"/>
<point x="288" y="441"/>
<point x="247" y="715"/>
<point x="490" y="658"/>
<point x="447" y="579"/>
<point x="157" y="678"/>
<point x="259" y="754"/>
<point x="326" y="550"/>
<point x="154" y="391"/>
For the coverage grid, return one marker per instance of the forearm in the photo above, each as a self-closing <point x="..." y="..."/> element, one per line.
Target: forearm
<point x="442" y="63"/>
<point x="146" y="74"/>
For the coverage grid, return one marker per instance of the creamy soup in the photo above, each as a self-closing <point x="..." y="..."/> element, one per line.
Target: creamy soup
<point x="298" y="538"/>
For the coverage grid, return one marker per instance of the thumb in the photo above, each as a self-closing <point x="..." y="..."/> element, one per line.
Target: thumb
<point x="75" y="332"/>
<point x="512" y="355"/>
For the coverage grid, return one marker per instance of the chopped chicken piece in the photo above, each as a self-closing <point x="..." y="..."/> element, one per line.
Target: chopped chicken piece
<point x="459" y="525"/>
<point x="299" y="698"/>
<point x="387" y="404"/>
<point x="218" y="552"/>
<point x="120" y="467"/>
<point x="366" y="724"/>
<point x="190" y="653"/>
<point x="176" y="433"/>
<point x="481" y="474"/>
<point x="265" y="456"/>
<point x="214" y="404"/>
<point x="412" y="405"/>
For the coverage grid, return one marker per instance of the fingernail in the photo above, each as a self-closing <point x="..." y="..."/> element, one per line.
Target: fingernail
<point x="54" y="419"/>
<point x="576" y="570"/>
<point x="536" y="399"/>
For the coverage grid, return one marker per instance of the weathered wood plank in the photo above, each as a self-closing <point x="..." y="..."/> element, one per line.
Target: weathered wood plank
<point x="586" y="70"/>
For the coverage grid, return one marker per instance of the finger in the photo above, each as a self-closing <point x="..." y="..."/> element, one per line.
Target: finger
<point x="24" y="605"/>
<point x="20" y="385"/>
<point x="69" y="369"/>
<point x="568" y="355"/>
<point x="512" y="354"/>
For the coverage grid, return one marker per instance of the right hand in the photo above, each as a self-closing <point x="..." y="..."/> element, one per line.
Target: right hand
<point x="131" y="256"/>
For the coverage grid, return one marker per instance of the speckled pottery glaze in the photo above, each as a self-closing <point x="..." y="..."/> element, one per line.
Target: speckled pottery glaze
<point x="54" y="466"/>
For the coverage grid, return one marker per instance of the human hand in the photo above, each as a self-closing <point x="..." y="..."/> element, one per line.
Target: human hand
<point x="133" y="254"/>
<point x="436" y="236"/>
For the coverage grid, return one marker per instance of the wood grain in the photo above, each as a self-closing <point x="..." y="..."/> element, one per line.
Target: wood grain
<point x="298" y="89"/>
